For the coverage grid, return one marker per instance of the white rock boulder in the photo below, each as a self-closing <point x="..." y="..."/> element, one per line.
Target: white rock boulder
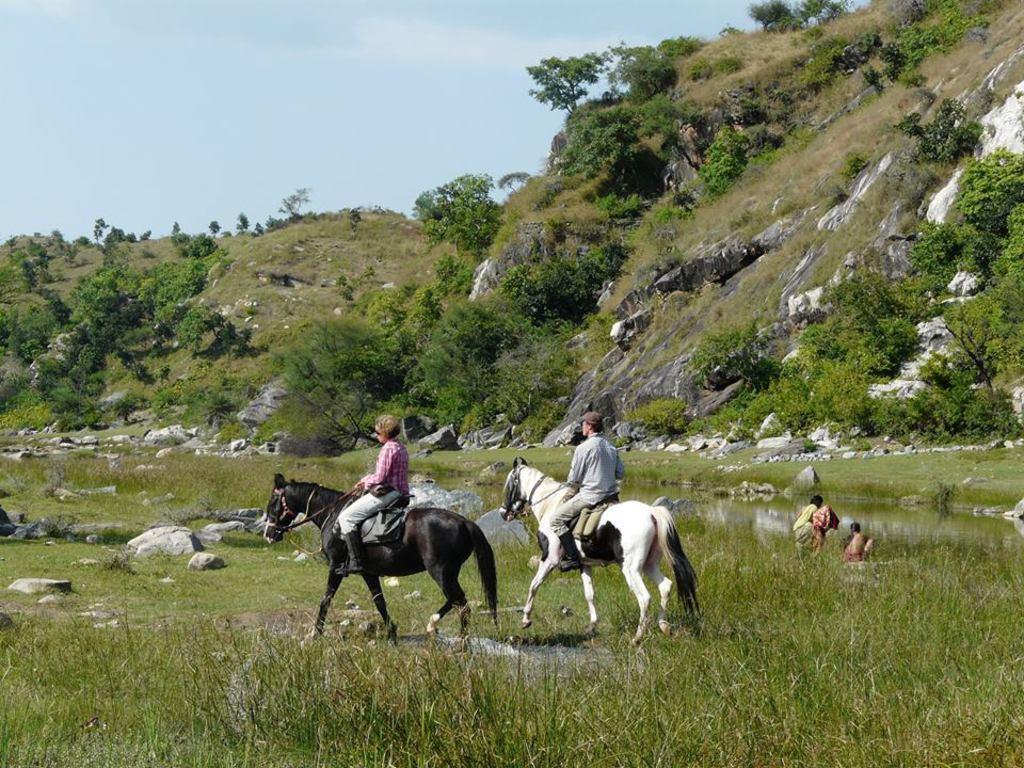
<point x="165" y="540"/>
<point x="36" y="586"/>
<point x="204" y="561"/>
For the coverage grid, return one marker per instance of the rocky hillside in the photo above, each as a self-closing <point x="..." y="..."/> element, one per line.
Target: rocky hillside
<point x="833" y="183"/>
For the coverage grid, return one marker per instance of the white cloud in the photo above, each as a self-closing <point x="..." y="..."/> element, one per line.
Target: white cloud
<point x="59" y="9"/>
<point x="403" y="41"/>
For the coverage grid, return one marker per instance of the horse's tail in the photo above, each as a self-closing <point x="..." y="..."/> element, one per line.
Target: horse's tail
<point x="686" y="577"/>
<point x="485" y="564"/>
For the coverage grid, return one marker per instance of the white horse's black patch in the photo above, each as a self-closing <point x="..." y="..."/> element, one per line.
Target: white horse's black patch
<point x="606" y="545"/>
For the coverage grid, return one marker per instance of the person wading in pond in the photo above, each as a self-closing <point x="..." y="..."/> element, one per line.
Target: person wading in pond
<point x="593" y="477"/>
<point x="857" y="546"/>
<point x="385" y="485"/>
<point x="814" y="522"/>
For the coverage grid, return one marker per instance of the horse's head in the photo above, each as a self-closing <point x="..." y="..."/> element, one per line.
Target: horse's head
<point x="280" y="509"/>
<point x="514" y="503"/>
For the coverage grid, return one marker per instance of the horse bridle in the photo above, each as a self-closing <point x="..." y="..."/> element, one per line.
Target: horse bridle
<point x="515" y="505"/>
<point x="307" y="518"/>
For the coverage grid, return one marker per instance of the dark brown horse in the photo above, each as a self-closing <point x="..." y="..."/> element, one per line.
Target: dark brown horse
<point x="434" y="540"/>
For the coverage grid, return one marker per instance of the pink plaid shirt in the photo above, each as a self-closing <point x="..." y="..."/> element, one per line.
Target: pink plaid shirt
<point x="392" y="468"/>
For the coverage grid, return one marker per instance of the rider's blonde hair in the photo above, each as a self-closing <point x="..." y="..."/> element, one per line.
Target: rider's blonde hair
<point x="388" y="426"/>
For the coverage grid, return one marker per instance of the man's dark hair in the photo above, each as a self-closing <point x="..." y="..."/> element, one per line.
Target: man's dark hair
<point x="855" y="527"/>
<point x="816" y="500"/>
<point x="595" y="420"/>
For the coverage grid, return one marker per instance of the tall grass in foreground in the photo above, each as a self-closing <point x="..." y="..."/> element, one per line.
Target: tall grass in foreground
<point x="913" y="661"/>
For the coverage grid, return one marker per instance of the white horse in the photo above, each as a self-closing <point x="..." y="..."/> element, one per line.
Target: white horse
<point x="633" y="534"/>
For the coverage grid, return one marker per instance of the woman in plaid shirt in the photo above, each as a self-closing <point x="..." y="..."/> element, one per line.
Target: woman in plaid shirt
<point x="385" y="485"/>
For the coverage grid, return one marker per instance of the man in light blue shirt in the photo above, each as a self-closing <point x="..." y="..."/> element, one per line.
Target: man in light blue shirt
<point x="593" y="477"/>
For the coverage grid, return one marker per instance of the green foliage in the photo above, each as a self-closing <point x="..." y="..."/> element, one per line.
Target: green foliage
<point x="943" y="249"/>
<point x="725" y="161"/>
<point x="454" y="276"/>
<point x="773" y="15"/>
<point x="678" y="47"/>
<point x="700" y="69"/>
<point x="820" y="11"/>
<point x="939" y="31"/>
<point x="339" y="373"/>
<point x="733" y="354"/>
<point x="29" y="331"/>
<point x="561" y="83"/>
<point x="630" y="207"/>
<point x="602" y="141"/>
<point x="1010" y="262"/>
<point x="643" y="71"/>
<point x="664" y="416"/>
<point x="461" y="212"/>
<point x="825" y="63"/>
<point x="26" y="410"/>
<point x="197" y="247"/>
<point x="455" y="368"/>
<point x="871" y="328"/>
<point x="948" y="137"/>
<point x="727" y="65"/>
<point x="853" y="164"/>
<point x="562" y="287"/>
<point x="991" y="189"/>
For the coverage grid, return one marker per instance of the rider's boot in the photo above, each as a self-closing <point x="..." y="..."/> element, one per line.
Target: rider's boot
<point x="571" y="561"/>
<point x="356" y="552"/>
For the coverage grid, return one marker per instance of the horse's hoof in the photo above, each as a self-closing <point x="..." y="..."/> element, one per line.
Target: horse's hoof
<point x="665" y="628"/>
<point x="526" y="624"/>
<point x="591" y="631"/>
<point x="636" y="640"/>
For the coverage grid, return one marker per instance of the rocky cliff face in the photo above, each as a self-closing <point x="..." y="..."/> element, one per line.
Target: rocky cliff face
<point x="779" y="274"/>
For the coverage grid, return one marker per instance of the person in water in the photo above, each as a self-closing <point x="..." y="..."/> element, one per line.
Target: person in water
<point x="857" y="547"/>
<point x="814" y="523"/>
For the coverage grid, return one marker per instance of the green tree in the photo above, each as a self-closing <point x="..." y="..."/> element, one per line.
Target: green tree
<point x="602" y="141"/>
<point x="643" y="71"/>
<point x="98" y="228"/>
<point x="948" y="137"/>
<point x="733" y="354"/>
<point x="773" y="15"/>
<point x="561" y="83"/>
<point x="461" y="212"/>
<point x="338" y="374"/>
<point x="243" y="223"/>
<point x="292" y="205"/>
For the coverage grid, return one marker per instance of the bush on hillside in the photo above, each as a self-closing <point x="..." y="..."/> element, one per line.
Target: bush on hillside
<point x="773" y="15"/>
<point x="948" y="137"/>
<point x="678" y="47"/>
<point x="1010" y="263"/>
<point x="990" y="190"/>
<point x="602" y="141"/>
<point x="725" y="161"/>
<point x="853" y="164"/>
<point x="944" y="249"/>
<point x="733" y="354"/>
<point x="700" y="69"/>
<point x="664" y="416"/>
<point x="871" y="326"/>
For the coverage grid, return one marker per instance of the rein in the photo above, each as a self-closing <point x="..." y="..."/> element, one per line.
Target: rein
<point x="529" y="497"/>
<point x="307" y="518"/>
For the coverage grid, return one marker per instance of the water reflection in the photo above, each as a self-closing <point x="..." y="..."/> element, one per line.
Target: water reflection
<point x="878" y="519"/>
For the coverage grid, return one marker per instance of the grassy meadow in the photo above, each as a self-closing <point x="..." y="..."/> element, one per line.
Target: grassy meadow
<point x="913" y="660"/>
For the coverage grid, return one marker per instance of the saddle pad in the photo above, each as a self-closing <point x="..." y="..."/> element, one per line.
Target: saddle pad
<point x="385" y="527"/>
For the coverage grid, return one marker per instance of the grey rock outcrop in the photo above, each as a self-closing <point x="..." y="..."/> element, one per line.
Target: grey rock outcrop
<point x="444" y="439"/>
<point x="964" y="284"/>
<point x="165" y="540"/>
<point x="623" y="332"/>
<point x="417" y="427"/>
<point x="465" y="503"/>
<point x="501" y="533"/>
<point x="806" y="478"/>
<point x="527" y="245"/>
<point x="172" y="435"/>
<point x="807" y="307"/>
<point x="264" y="405"/>
<point x="838" y="215"/>
<point x="486" y="437"/>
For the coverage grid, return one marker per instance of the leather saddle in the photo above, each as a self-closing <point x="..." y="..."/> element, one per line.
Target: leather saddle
<point x="388" y="525"/>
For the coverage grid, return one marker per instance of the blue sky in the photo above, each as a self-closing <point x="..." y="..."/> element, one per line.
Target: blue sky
<point x="147" y="112"/>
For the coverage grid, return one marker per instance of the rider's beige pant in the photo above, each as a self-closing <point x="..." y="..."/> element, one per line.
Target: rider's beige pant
<point x="363" y="508"/>
<point x="565" y="512"/>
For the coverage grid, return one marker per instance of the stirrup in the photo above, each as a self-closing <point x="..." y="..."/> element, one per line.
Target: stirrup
<point x="567" y="565"/>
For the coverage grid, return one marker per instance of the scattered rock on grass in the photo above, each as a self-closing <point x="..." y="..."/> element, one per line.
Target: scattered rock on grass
<point x="807" y="478"/>
<point x="36" y="586"/>
<point x="165" y="540"/>
<point x="6" y="622"/>
<point x="499" y="532"/>
<point x="204" y="561"/>
<point x="391" y="581"/>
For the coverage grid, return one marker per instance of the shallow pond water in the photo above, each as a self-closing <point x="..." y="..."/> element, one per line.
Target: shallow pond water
<point x="879" y="519"/>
